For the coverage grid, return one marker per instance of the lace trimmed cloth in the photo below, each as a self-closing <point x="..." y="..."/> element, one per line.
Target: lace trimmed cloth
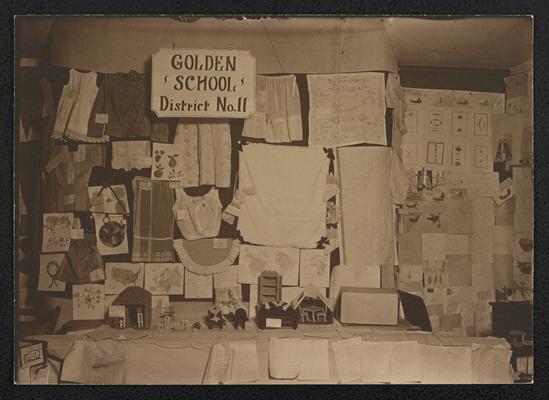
<point x="207" y="256"/>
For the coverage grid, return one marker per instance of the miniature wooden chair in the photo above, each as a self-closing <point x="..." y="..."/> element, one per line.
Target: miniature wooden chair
<point x="304" y="315"/>
<point x="322" y="316"/>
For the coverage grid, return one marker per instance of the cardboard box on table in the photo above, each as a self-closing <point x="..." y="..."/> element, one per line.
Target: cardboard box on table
<point x="368" y="306"/>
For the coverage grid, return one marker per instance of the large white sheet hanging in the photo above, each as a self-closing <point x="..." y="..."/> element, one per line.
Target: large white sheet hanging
<point x="283" y="189"/>
<point x="370" y="183"/>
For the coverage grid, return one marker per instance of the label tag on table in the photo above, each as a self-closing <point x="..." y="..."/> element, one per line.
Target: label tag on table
<point x="273" y="323"/>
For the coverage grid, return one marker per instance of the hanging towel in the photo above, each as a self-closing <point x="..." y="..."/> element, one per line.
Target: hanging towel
<point x="206" y="154"/>
<point x="152" y="221"/>
<point x="277" y="117"/>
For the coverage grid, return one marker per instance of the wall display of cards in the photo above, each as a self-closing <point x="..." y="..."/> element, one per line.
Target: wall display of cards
<point x="256" y="259"/>
<point x="112" y="234"/>
<point x="56" y="236"/>
<point x="164" y="278"/>
<point x="122" y="275"/>
<point x="50" y="265"/>
<point x="88" y="302"/>
<point x="456" y="122"/>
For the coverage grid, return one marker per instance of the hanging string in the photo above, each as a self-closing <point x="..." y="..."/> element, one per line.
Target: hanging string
<point x="272" y="46"/>
<point x="339" y="53"/>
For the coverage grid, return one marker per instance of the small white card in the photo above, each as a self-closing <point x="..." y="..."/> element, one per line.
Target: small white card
<point x="273" y="323"/>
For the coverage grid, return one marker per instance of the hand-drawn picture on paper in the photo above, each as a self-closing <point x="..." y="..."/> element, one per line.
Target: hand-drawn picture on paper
<point x="119" y="276"/>
<point x="167" y="162"/>
<point x="459" y="123"/>
<point x="435" y="274"/>
<point x="256" y="259"/>
<point x="481" y="156"/>
<point x="198" y="286"/>
<point x="50" y="265"/>
<point x="457" y="193"/>
<point x="458" y="156"/>
<point x="435" y="122"/>
<point x="410" y="121"/>
<point x="435" y="153"/>
<point x="164" y="278"/>
<point x="160" y="304"/>
<point x="409" y="153"/>
<point x="346" y="109"/>
<point x="111" y="233"/>
<point x="56" y="236"/>
<point x="88" y="302"/>
<point x="481" y="124"/>
<point x="110" y="199"/>
<point x="314" y="268"/>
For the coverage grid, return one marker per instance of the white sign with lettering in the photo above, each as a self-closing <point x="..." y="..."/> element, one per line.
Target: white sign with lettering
<point x="203" y="83"/>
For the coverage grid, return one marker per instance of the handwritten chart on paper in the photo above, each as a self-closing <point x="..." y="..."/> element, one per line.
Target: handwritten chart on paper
<point x="346" y="109"/>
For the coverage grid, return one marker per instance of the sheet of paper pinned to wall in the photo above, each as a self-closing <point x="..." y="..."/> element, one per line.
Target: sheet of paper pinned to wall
<point x="56" y="235"/>
<point x="314" y="268"/>
<point x="434" y="246"/>
<point x="164" y="278"/>
<point x="347" y="354"/>
<point x="482" y="246"/>
<point x="122" y="275"/>
<point x="197" y="286"/>
<point x="256" y="259"/>
<point x="460" y="216"/>
<point x="314" y="360"/>
<point x="346" y="109"/>
<point x="503" y="240"/>
<point x="457" y="244"/>
<point x="50" y="265"/>
<point x="227" y="278"/>
<point x="523" y="187"/>
<point x="483" y="276"/>
<point x="483" y="213"/>
<point x="88" y="302"/>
